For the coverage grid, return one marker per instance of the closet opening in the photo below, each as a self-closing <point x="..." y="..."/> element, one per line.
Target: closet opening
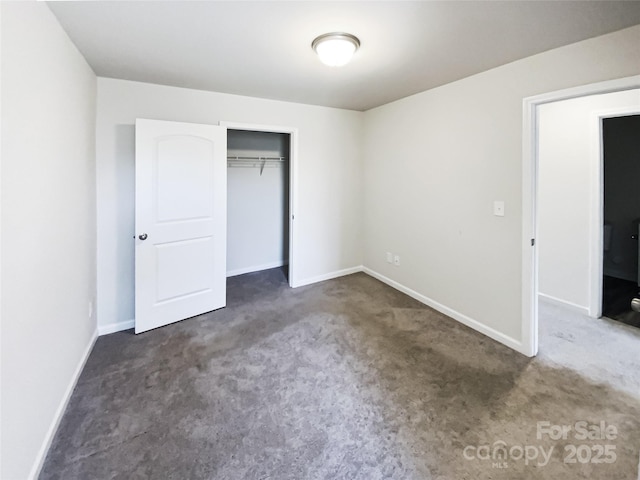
<point x="258" y="201"/>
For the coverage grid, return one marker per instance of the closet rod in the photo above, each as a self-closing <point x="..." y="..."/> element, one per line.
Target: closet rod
<point x="252" y="165"/>
<point x="254" y="162"/>
<point x="260" y="159"/>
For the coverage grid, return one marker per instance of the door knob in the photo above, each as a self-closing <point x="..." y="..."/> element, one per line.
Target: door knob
<point x="143" y="236"/>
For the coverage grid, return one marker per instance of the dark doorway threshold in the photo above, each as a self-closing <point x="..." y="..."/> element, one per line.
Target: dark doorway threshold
<point x="616" y="300"/>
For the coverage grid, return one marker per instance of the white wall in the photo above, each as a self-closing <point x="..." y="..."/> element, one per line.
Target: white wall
<point x="565" y="193"/>
<point x="257" y="203"/>
<point x="48" y="228"/>
<point x="329" y="197"/>
<point x="436" y="161"/>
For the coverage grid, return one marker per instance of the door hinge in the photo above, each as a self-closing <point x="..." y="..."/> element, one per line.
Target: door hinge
<point x="533" y="242"/>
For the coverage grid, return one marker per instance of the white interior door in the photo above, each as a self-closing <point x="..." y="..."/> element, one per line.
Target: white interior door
<point x="180" y="240"/>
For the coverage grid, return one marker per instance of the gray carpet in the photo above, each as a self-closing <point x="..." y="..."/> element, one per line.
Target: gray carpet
<point x="346" y="379"/>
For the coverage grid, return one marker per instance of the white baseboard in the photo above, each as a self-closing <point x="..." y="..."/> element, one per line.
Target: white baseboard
<point x="44" y="448"/>
<point x="468" y="321"/>
<point x="128" y="324"/>
<point x="328" y="276"/>
<point x="256" y="268"/>
<point x="563" y="303"/>
<point x="115" y="327"/>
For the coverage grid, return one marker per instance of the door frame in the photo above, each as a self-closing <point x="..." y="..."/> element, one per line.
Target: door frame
<point x="293" y="183"/>
<point x="530" y="162"/>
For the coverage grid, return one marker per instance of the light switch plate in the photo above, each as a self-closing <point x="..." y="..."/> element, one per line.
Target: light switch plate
<point x="498" y="208"/>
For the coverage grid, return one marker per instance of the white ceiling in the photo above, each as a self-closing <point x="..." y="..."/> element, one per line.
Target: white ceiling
<point x="263" y="48"/>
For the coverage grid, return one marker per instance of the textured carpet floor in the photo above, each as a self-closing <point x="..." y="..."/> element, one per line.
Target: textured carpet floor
<point x="346" y="379"/>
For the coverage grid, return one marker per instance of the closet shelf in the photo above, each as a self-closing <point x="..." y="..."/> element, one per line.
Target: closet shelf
<point x="254" y="161"/>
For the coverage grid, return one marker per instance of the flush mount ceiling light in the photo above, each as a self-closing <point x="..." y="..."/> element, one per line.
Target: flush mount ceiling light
<point x="335" y="49"/>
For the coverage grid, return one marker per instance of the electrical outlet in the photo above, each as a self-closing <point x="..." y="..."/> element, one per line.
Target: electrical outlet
<point x="389" y="257"/>
<point x="396" y="260"/>
<point x="498" y="208"/>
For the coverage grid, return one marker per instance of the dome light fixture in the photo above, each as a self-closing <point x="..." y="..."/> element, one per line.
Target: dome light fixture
<point x="335" y="49"/>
